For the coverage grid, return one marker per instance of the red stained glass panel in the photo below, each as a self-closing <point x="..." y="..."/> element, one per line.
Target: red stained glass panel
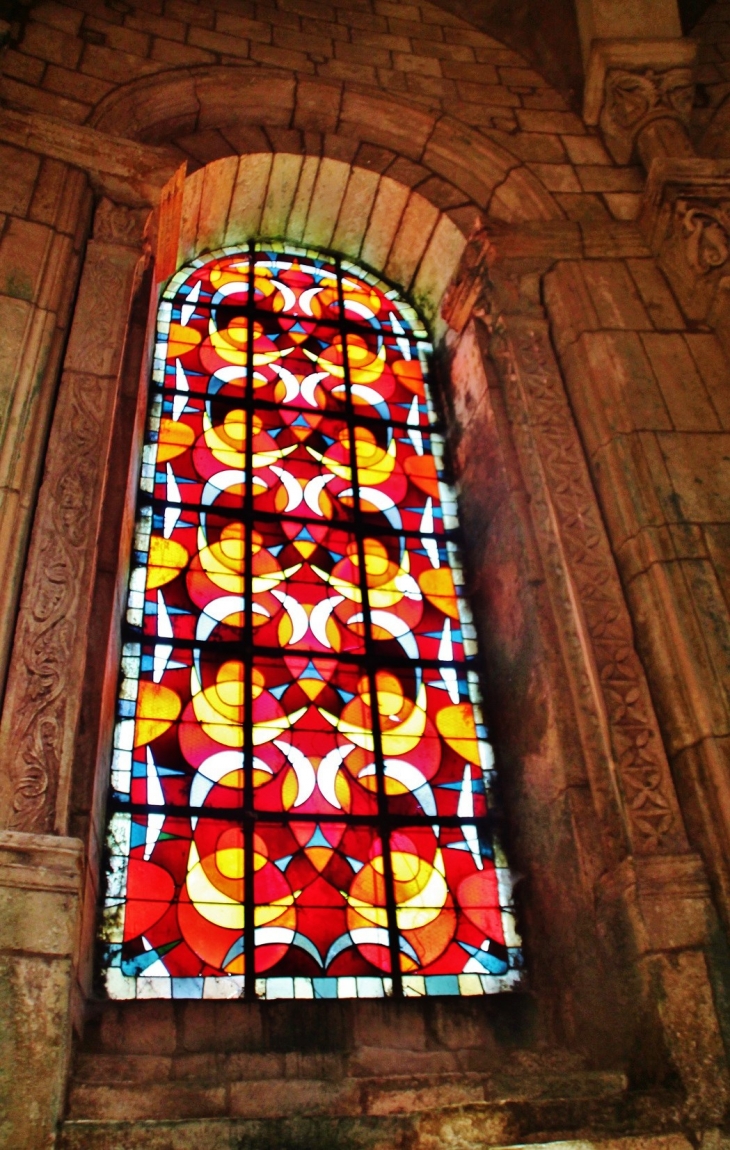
<point x="301" y="775"/>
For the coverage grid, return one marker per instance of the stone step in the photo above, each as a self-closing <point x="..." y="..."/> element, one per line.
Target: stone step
<point x="653" y="1126"/>
<point x="280" y="1097"/>
<point x="443" y="1065"/>
<point x="276" y="1097"/>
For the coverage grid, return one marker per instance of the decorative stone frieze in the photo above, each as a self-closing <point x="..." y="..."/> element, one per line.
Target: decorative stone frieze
<point x="633" y="790"/>
<point x="631" y="84"/>
<point x="686" y="219"/>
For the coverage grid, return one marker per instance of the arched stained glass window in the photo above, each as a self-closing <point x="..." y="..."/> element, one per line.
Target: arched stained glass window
<point x="301" y="775"/>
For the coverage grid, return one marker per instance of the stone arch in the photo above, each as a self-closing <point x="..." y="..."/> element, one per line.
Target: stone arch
<point x="213" y="112"/>
<point x="330" y="205"/>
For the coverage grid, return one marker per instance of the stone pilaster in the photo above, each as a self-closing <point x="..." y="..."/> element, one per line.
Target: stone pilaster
<point x="40" y="868"/>
<point x="40" y="878"/>
<point x="653" y="908"/>
<point x="40" y="258"/>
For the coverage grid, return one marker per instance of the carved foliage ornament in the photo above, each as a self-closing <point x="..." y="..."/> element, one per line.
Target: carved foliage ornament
<point x="634" y="98"/>
<point x="45" y="682"/>
<point x="706" y="232"/>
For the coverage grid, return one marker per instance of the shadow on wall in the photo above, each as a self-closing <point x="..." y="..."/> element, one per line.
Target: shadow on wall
<point x="547" y="34"/>
<point x="690" y="11"/>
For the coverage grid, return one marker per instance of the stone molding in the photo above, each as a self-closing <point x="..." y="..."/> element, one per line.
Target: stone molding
<point x="686" y="219"/>
<point x="40" y="862"/>
<point x="631" y="83"/>
<point x="469" y="283"/>
<point x="32" y="377"/>
<point x="630" y="777"/>
<point x="129" y="172"/>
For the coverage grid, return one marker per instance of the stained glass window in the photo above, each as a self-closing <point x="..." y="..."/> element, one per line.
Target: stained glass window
<point x="301" y="776"/>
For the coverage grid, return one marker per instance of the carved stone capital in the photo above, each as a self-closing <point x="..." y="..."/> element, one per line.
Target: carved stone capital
<point x="631" y="83"/>
<point x="116" y="223"/>
<point x="686" y="219"/>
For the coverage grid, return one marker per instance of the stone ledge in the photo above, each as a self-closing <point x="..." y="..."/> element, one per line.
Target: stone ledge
<point x="461" y="1128"/>
<point x="490" y="1026"/>
<point x="40" y="862"/>
<point x="382" y="1096"/>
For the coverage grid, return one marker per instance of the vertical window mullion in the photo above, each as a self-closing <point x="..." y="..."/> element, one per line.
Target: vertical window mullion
<point x="383" y="821"/>
<point x="249" y="816"/>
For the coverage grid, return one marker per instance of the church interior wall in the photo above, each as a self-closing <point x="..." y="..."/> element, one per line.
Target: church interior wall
<point x="583" y="363"/>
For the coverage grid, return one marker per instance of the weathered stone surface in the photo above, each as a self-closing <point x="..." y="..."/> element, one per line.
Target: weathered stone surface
<point x="39" y="902"/>
<point x="459" y="1128"/>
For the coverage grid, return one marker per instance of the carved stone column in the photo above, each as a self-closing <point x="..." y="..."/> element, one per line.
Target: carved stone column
<point x="41" y="711"/>
<point x="652" y="899"/>
<point x="40" y="884"/>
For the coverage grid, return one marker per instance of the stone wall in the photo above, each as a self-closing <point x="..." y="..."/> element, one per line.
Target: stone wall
<point x="583" y="333"/>
<point x="73" y="58"/>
